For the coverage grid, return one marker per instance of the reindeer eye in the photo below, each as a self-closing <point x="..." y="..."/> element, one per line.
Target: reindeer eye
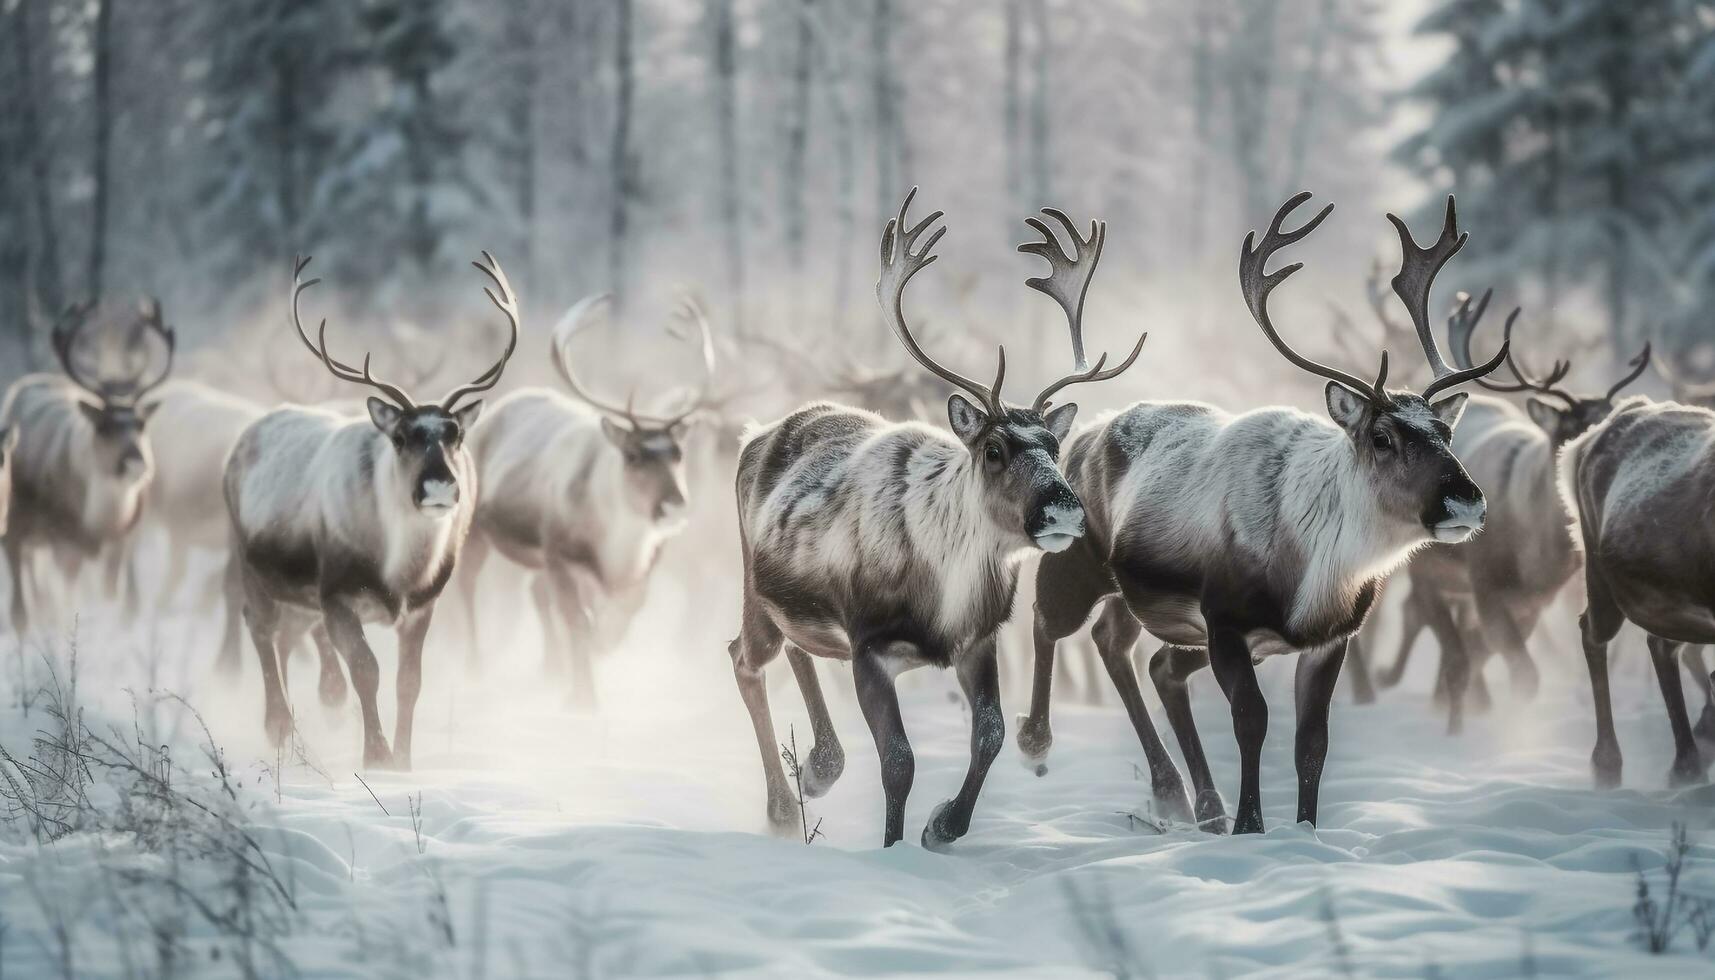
<point x="992" y="454"/>
<point x="1381" y="440"/>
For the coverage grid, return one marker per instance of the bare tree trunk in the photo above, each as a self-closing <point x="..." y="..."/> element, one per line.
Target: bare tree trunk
<point x="1041" y="173"/>
<point x="793" y="164"/>
<point x="1249" y="68"/>
<point x="102" y="50"/>
<point x="1310" y="84"/>
<point x="725" y="64"/>
<point x="833" y="77"/>
<point x="881" y="67"/>
<point x="47" y="279"/>
<point x="1012" y="109"/>
<point x="620" y="157"/>
<point x="521" y="27"/>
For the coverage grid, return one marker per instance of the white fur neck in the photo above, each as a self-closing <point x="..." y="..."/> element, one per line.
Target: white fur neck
<point x="1345" y="537"/>
<point x="414" y="542"/>
<point x="962" y="541"/>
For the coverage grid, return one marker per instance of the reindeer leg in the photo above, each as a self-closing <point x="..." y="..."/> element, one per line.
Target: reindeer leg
<point x="232" y="584"/>
<point x="1500" y="625"/>
<point x="1230" y="659"/>
<point x="1688" y="767"/>
<point x="1363" y="689"/>
<point x="575" y="611"/>
<point x="1455" y="670"/>
<point x="1691" y="658"/>
<point x="346" y="631"/>
<point x="827" y="758"/>
<point x="409" y="681"/>
<point x="466" y="570"/>
<point x="757" y="643"/>
<point x="16" y="560"/>
<point x="1169" y="669"/>
<point x="1313" y="690"/>
<point x="1116" y="632"/>
<point x="979" y="676"/>
<point x="1599" y="623"/>
<point x="1068" y="586"/>
<point x="1358" y="650"/>
<point x="262" y="614"/>
<point x="554" y="650"/>
<point x="1411" y="624"/>
<point x="331" y="687"/>
<point x="880" y="704"/>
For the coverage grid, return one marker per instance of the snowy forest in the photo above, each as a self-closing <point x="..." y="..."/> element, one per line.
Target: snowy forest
<point x="685" y="443"/>
<point x="747" y="148"/>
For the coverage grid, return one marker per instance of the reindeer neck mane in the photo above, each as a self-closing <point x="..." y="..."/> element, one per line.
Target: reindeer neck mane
<point x="1344" y="537"/>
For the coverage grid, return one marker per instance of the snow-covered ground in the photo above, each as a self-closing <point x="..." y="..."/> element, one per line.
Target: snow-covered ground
<point x="632" y="841"/>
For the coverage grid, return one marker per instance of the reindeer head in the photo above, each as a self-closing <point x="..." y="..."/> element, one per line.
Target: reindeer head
<point x="1402" y="440"/>
<point x="1015" y="451"/>
<point x="114" y="407"/>
<point x="425" y="440"/>
<point x="1564" y="418"/>
<point x="651" y="447"/>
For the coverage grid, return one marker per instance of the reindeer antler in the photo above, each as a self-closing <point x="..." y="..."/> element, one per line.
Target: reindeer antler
<point x="1067" y="282"/>
<point x="1257" y="283"/>
<point x="319" y="346"/>
<point x="507" y="303"/>
<point x="579" y="317"/>
<point x="898" y="265"/>
<point x="1417" y="270"/>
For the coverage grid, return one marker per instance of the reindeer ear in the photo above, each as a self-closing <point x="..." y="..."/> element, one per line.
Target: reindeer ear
<point x="384" y="415"/>
<point x="8" y="440"/>
<point x="1547" y="417"/>
<point x="468" y="415"/>
<point x="1451" y="409"/>
<point x="967" y="419"/>
<point x="1346" y="407"/>
<point x="90" y="412"/>
<point x="147" y="410"/>
<point x="1060" y="421"/>
<point x="614" y="431"/>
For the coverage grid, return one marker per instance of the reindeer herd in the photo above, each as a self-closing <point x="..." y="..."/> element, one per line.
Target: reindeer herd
<point x="871" y="536"/>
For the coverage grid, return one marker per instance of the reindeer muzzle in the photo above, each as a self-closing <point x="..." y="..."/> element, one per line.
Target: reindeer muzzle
<point x="1057" y="525"/>
<point x="437" y="496"/>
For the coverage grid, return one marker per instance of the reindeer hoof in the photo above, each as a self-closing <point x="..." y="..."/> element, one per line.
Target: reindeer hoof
<point x="331" y="689"/>
<point x="278" y="723"/>
<point x="1034" y="741"/>
<point x="1171" y="803"/>
<point x="938" y="833"/>
<point x="1211" y="813"/>
<point x="1606" y="766"/>
<point x="827" y="761"/>
<point x="1704" y="730"/>
<point x="1686" y="772"/>
<point x="1248" y="823"/>
<point x="376" y="755"/>
<point x="783" y="816"/>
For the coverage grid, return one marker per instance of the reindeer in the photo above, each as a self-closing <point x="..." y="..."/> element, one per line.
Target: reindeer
<point x="1488" y="595"/>
<point x="82" y="460"/>
<point x="1236" y="538"/>
<point x="584" y="493"/>
<point x="1638" y="486"/>
<point x="894" y="545"/>
<point x="1700" y="392"/>
<point x="339" y="521"/>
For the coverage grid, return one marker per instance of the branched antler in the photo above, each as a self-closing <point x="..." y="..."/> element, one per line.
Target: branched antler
<point x="507" y="302"/>
<point x="319" y="346"/>
<point x="582" y="314"/>
<point x="1417" y="270"/>
<point x="898" y="264"/>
